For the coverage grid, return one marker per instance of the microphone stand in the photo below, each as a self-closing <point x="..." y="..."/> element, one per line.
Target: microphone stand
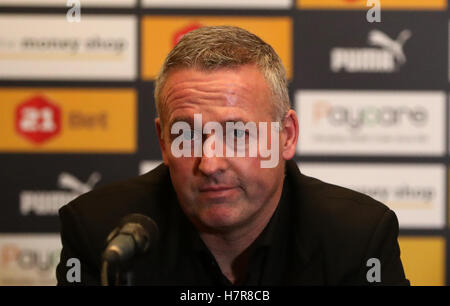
<point x="104" y="276"/>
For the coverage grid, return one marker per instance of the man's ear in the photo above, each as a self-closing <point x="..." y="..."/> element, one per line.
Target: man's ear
<point x="290" y="135"/>
<point x="160" y="134"/>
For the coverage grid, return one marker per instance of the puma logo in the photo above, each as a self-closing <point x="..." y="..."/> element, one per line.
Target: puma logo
<point x="395" y="47"/>
<point x="68" y="181"/>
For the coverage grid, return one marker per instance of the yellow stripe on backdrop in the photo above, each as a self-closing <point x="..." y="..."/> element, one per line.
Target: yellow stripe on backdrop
<point x="160" y="34"/>
<point x="41" y="120"/>
<point x="423" y="260"/>
<point x="362" y="4"/>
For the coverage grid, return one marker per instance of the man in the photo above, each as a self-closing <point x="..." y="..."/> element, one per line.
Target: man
<point x="225" y="215"/>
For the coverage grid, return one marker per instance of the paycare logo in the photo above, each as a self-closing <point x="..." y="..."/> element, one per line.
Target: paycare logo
<point x="386" y="55"/>
<point x="241" y="140"/>
<point x="43" y="203"/>
<point x="368" y="116"/>
<point x="28" y="258"/>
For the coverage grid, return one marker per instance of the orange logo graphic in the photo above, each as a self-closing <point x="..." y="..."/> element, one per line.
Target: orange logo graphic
<point x="37" y="119"/>
<point x="179" y="34"/>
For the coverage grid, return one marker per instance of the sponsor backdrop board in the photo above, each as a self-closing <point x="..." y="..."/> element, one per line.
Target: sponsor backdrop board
<point x="397" y="53"/>
<point x="35" y="187"/>
<point x="148" y="165"/>
<point x="416" y="193"/>
<point x="29" y="259"/>
<point x="364" y="4"/>
<point x="424" y="260"/>
<point x="65" y="120"/>
<point x="50" y="48"/>
<point x="77" y="109"/>
<point x="69" y="3"/>
<point x="217" y="4"/>
<point x="371" y="122"/>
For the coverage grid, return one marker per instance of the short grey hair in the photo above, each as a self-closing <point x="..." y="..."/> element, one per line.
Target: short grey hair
<point x="211" y="48"/>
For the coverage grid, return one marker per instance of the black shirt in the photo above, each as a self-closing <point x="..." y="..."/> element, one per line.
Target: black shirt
<point x="266" y="253"/>
<point x="182" y="258"/>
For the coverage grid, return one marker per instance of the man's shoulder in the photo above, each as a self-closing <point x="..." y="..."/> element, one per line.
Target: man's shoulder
<point x="337" y="216"/>
<point x="330" y="200"/>
<point x="124" y="193"/>
<point x="334" y="201"/>
<point x="104" y="206"/>
<point x="339" y="230"/>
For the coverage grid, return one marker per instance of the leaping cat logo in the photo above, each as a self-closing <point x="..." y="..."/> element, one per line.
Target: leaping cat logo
<point x="395" y="47"/>
<point x="68" y="181"/>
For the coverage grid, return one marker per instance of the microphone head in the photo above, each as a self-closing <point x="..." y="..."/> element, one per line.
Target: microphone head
<point x="135" y="233"/>
<point x="142" y="228"/>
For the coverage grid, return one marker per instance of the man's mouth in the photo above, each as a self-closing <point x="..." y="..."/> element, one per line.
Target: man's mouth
<point x="217" y="188"/>
<point x="219" y="193"/>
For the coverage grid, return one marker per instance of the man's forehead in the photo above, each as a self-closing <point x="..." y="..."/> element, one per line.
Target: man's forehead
<point x="220" y="95"/>
<point x="230" y="72"/>
<point x="206" y="83"/>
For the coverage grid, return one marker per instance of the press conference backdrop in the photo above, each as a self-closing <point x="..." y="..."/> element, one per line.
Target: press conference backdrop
<point x="77" y="108"/>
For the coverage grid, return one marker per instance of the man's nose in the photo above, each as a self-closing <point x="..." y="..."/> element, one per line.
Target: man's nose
<point x="210" y="163"/>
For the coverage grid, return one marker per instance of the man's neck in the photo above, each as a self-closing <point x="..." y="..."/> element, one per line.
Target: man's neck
<point x="231" y="249"/>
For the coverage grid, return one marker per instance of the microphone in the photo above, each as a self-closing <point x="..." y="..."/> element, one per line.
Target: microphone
<point x="135" y="234"/>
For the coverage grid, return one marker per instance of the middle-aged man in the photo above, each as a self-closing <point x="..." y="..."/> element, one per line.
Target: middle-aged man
<point x="229" y="218"/>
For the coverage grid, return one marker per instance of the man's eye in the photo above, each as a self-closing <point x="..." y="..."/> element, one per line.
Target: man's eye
<point x="190" y="135"/>
<point x="239" y="133"/>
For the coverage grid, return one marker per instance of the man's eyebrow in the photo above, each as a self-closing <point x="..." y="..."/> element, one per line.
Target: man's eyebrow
<point x="190" y="120"/>
<point x="234" y="120"/>
<point x="187" y="119"/>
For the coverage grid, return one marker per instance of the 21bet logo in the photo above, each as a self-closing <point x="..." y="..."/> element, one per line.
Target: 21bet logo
<point x="38" y="120"/>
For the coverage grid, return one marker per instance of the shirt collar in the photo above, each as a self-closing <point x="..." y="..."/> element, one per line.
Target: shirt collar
<point x="268" y="236"/>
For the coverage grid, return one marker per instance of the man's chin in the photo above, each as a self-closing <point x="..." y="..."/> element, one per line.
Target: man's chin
<point x="220" y="217"/>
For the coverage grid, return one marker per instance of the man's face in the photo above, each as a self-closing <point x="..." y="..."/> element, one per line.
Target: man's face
<point x="221" y="193"/>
